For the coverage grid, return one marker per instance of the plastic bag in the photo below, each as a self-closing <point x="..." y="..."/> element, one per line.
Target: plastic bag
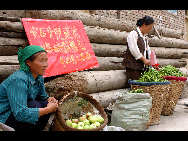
<point x="5" y="127"/>
<point x="112" y="128"/>
<point x="131" y="111"/>
<point x="153" y="59"/>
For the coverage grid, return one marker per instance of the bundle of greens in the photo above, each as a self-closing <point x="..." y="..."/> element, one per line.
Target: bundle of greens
<point x="170" y="71"/>
<point x="151" y="75"/>
<point x="137" y="91"/>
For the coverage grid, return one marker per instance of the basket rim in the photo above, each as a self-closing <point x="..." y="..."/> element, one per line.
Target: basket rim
<point x="175" y="78"/>
<point x="95" y="103"/>
<point x="134" y="82"/>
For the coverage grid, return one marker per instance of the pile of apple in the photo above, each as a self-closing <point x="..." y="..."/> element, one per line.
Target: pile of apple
<point x="87" y="121"/>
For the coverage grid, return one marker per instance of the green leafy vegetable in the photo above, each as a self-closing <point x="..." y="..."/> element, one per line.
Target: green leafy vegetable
<point x="151" y="75"/>
<point x="137" y="91"/>
<point x="170" y="71"/>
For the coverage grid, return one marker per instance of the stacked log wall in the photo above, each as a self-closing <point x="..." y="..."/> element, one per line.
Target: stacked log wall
<point x="109" y="44"/>
<point x="108" y="37"/>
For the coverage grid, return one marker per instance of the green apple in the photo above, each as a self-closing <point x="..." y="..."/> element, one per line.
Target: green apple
<point x="69" y="122"/>
<point x="87" y="127"/>
<point x="95" y="116"/>
<point x="88" y="115"/>
<point x="100" y="120"/>
<point x="80" y="127"/>
<point x="74" y="125"/>
<point x="93" y="120"/>
<point x="75" y="121"/>
<point x="97" y="124"/>
<point x="92" y="126"/>
<point x="86" y="122"/>
<point x="81" y="124"/>
<point x="81" y="119"/>
<point x="84" y="116"/>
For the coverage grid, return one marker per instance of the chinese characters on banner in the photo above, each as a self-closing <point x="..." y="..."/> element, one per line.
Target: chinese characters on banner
<point x="66" y="42"/>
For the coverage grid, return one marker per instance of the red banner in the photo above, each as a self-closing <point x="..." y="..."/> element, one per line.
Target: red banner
<point x="66" y="42"/>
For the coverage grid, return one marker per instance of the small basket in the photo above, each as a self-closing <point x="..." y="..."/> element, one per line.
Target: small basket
<point x="60" y="124"/>
<point x="158" y="91"/>
<point x="176" y="87"/>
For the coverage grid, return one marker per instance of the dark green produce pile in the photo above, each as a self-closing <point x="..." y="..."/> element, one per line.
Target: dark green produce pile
<point x="151" y="75"/>
<point x="171" y="71"/>
<point x="137" y="91"/>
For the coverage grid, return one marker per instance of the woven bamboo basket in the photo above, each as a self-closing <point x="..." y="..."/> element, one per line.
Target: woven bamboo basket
<point x="67" y="105"/>
<point x="158" y="94"/>
<point x="176" y="88"/>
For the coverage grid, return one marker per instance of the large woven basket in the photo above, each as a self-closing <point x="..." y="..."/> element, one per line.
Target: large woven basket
<point x="60" y="124"/>
<point x="176" y="88"/>
<point x="158" y="91"/>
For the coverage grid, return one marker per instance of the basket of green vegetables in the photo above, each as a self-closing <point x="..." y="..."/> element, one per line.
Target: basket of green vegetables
<point x="177" y="84"/>
<point x="151" y="82"/>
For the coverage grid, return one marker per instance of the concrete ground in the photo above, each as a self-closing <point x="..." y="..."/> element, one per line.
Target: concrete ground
<point x="176" y="122"/>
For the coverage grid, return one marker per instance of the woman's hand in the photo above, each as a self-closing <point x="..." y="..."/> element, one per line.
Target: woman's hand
<point x="156" y="67"/>
<point x="145" y="61"/>
<point x="51" y="99"/>
<point x="52" y="106"/>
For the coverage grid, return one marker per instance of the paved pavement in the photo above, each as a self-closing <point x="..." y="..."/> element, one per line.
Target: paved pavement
<point x="176" y="122"/>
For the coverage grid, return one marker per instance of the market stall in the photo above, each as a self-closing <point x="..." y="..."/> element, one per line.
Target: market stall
<point x="106" y="82"/>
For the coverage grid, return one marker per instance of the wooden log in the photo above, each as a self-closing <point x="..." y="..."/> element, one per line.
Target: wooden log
<point x="86" y="18"/>
<point x="167" y="32"/>
<point x="44" y="14"/>
<point x="12" y="19"/>
<point x="167" y="42"/>
<point x="106" y="63"/>
<point x="7" y="70"/>
<point x="13" y="34"/>
<point x="108" y="50"/>
<point x="11" y="26"/>
<point x="109" y="63"/>
<point x="114" y="63"/>
<point x="87" y="82"/>
<point x="13" y="42"/>
<point x="170" y="53"/>
<point x="9" y="64"/>
<point x="96" y="20"/>
<point x="105" y="98"/>
<point x="174" y="62"/>
<point x="9" y="50"/>
<point x="101" y="35"/>
<point x="9" y="60"/>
